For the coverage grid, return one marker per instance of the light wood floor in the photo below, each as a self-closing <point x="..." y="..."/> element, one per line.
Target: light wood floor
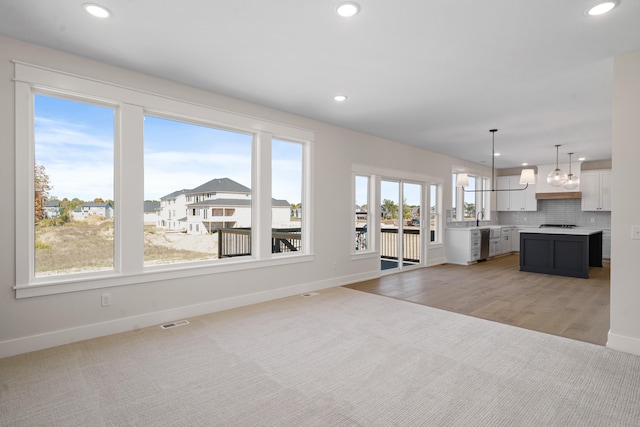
<point x="496" y="290"/>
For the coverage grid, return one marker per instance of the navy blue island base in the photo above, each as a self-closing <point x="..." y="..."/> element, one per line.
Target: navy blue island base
<point x="563" y="253"/>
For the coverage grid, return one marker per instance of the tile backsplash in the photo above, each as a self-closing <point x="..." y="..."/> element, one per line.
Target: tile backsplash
<point x="566" y="211"/>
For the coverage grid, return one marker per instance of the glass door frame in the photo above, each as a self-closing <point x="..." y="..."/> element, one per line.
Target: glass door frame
<point x="400" y="264"/>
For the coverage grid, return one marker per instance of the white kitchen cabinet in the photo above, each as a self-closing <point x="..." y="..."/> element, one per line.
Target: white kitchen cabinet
<point x="462" y="245"/>
<point x="596" y="190"/>
<point x="515" y="201"/>
<point x="515" y="240"/>
<point x="506" y="240"/>
<point x="494" y="247"/>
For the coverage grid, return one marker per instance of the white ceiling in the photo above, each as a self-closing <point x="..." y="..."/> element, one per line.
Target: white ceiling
<point x="431" y="73"/>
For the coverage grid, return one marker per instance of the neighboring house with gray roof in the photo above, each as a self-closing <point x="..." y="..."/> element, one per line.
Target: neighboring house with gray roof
<point x="219" y="203"/>
<point x="52" y="209"/>
<point x="172" y="213"/>
<point x="92" y="208"/>
<point x="151" y="209"/>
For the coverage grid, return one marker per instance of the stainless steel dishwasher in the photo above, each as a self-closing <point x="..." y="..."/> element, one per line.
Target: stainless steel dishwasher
<point x="484" y="243"/>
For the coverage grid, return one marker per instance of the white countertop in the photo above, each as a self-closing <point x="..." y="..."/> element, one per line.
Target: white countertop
<point x="477" y="228"/>
<point x="578" y="231"/>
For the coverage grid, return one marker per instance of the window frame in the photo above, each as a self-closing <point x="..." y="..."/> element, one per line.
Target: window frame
<point x="131" y="105"/>
<point x="482" y="198"/>
<point x="370" y="191"/>
<point x="437" y="214"/>
<point x="101" y="102"/>
<point x="303" y="178"/>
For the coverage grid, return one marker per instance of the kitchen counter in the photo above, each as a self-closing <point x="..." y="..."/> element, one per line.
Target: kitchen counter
<point x="476" y="228"/>
<point x="560" y="251"/>
<point x="578" y="231"/>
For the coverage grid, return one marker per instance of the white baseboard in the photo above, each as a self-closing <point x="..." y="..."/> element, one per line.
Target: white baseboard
<point x="435" y="261"/>
<point x="623" y="343"/>
<point x="66" y="336"/>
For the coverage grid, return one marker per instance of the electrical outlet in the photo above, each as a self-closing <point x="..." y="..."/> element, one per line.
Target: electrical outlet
<point x="593" y="220"/>
<point x="105" y="300"/>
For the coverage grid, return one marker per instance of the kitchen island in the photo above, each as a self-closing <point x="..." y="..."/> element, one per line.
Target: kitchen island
<point x="560" y="251"/>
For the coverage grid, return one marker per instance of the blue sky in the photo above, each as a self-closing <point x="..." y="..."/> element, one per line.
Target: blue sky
<point x="390" y="190"/>
<point x="75" y="143"/>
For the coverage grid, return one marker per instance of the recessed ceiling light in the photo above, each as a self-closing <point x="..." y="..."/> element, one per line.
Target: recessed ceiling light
<point x="601" y="8"/>
<point x="525" y="164"/>
<point x="97" y="10"/>
<point x="347" y="9"/>
<point x="340" y="98"/>
<point x="582" y="159"/>
<point x="496" y="154"/>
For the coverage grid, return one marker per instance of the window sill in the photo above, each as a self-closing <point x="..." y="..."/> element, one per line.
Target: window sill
<point x="84" y="283"/>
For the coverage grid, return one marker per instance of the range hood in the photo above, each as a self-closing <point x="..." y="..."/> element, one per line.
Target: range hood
<point x="559" y="195"/>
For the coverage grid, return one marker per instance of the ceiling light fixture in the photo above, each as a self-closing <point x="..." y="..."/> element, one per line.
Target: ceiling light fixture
<point x="340" y="98"/>
<point x="601" y="8"/>
<point x="572" y="181"/>
<point x="347" y="9"/>
<point x="97" y="10"/>
<point x="556" y="177"/>
<point x="527" y="176"/>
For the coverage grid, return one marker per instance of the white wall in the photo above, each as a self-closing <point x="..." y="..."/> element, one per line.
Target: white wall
<point x="31" y="323"/>
<point x="625" y="212"/>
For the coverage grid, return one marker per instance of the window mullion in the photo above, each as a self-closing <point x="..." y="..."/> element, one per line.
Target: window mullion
<point x="261" y="196"/>
<point x="129" y="189"/>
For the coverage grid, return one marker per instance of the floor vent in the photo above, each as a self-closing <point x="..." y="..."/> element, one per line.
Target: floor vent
<point x="174" y="324"/>
<point x="309" y="294"/>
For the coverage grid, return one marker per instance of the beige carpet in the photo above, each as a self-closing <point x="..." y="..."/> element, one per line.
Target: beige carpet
<point x="341" y="358"/>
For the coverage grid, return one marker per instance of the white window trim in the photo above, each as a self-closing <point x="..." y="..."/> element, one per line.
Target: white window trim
<point x="370" y="192"/>
<point x="439" y="220"/>
<point x="459" y="195"/>
<point x="131" y="105"/>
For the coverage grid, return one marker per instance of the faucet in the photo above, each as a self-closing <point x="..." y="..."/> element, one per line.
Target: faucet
<point x="479" y="214"/>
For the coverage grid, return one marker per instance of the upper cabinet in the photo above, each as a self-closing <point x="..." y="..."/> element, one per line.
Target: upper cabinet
<point x="596" y="190"/>
<point x="519" y="200"/>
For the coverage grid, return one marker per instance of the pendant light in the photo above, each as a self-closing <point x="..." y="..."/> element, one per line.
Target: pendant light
<point x="527" y="176"/>
<point x="557" y="178"/>
<point x="572" y="181"/>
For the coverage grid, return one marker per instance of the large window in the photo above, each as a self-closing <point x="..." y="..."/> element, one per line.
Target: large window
<point x="198" y="178"/>
<point x="115" y="186"/>
<point x="73" y="186"/>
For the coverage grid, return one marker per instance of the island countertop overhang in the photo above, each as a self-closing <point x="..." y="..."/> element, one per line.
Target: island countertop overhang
<point x="568" y="231"/>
